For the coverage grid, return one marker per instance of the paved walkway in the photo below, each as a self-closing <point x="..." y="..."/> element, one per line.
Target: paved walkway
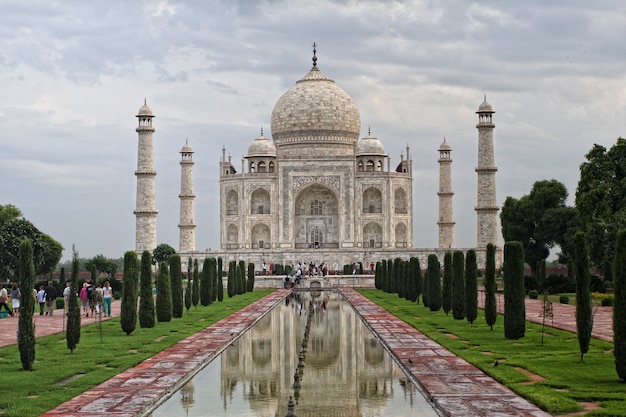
<point x="455" y="386"/>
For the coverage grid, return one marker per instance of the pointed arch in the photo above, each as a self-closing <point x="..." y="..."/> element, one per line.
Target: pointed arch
<point x="260" y="201"/>
<point x="372" y="200"/>
<point x="372" y="235"/>
<point x="401" y="206"/>
<point x="232" y="203"/>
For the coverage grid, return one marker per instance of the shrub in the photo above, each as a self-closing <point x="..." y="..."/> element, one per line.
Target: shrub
<point x="608" y="302"/>
<point x="564" y="299"/>
<point x="60" y="303"/>
<point x="534" y="294"/>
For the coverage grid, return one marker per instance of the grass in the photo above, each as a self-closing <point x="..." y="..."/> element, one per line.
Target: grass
<point x="567" y="381"/>
<point x="31" y="393"/>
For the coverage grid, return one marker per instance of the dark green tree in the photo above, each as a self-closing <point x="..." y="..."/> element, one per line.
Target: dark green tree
<point x="491" y="312"/>
<point x="176" y="275"/>
<point x="540" y="220"/>
<point x="189" y="284"/>
<point x="205" y="283"/>
<point x="619" y="308"/>
<point x="446" y="291"/>
<point x="231" y="284"/>
<point x="384" y="279"/>
<point x="471" y="286"/>
<point x="409" y="288"/>
<point x="94" y="274"/>
<point x="72" y="334"/>
<point x="212" y="277"/>
<point x="146" y="299"/>
<point x="9" y="212"/>
<point x="220" y="280"/>
<point x="458" y="285"/>
<point x="250" y="282"/>
<point x="584" y="316"/>
<point x="377" y="281"/>
<point x="434" y="283"/>
<point x="128" y="313"/>
<point x="241" y="273"/>
<point x="62" y="277"/>
<point x="514" y="294"/>
<point x="25" y="328"/>
<point x="195" y="290"/>
<point x="164" y="294"/>
<point x="395" y="279"/>
<point x="416" y="278"/>
<point x="162" y="253"/>
<point x="400" y="278"/>
<point x="101" y="264"/>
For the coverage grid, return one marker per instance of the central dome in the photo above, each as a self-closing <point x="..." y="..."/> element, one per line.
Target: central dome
<point x="315" y="111"/>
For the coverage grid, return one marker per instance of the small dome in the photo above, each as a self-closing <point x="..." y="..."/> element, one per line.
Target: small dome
<point x="485" y="107"/>
<point x="445" y="146"/>
<point x="369" y="145"/>
<point x="145" y="110"/>
<point x="261" y="146"/>
<point x="186" y="148"/>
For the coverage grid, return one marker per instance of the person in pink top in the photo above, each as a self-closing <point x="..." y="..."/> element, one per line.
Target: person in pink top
<point x="84" y="299"/>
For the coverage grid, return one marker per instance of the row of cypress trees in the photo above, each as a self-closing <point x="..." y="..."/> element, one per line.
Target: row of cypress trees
<point x="240" y="279"/>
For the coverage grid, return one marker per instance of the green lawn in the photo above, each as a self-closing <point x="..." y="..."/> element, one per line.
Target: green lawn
<point x="31" y="393"/>
<point x="567" y="381"/>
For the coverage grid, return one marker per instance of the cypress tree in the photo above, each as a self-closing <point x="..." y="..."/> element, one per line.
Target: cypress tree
<point x="584" y="316"/>
<point x="164" y="294"/>
<point x="189" y="284"/>
<point x="434" y="283"/>
<point x="401" y="289"/>
<point x="425" y="286"/>
<point x="72" y="334"/>
<point x="195" y="289"/>
<point x="212" y="274"/>
<point x="471" y="286"/>
<point x="446" y="292"/>
<point x="220" y="280"/>
<point x="128" y="313"/>
<point x="491" y="312"/>
<point x="205" y="282"/>
<point x="214" y="281"/>
<point x="409" y="288"/>
<point x="395" y="282"/>
<point x="416" y="276"/>
<point x="94" y="275"/>
<point x="514" y="294"/>
<point x="377" y="281"/>
<point x="250" y="282"/>
<point x="230" y="284"/>
<point x="383" y="276"/>
<point x="242" y="277"/>
<point x="458" y="285"/>
<point x="146" y="299"/>
<point x="619" y="308"/>
<point x="25" y="328"/>
<point x="62" y="277"/>
<point x="176" y="274"/>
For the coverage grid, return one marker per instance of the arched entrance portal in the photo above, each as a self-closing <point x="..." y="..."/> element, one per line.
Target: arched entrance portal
<point x="316" y="222"/>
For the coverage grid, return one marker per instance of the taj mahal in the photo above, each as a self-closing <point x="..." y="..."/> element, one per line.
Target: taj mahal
<point x="315" y="190"/>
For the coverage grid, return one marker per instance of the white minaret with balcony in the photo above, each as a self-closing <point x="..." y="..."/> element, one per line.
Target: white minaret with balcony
<point x="486" y="207"/>
<point x="446" y="212"/>
<point x="145" y="211"/>
<point x="187" y="226"/>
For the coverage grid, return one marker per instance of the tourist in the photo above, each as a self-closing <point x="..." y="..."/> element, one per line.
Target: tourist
<point x="4" y="297"/>
<point x="41" y="299"/>
<point x="84" y="299"/>
<point x="15" y="298"/>
<point x="66" y="296"/>
<point x="51" y="296"/>
<point x="107" y="296"/>
<point x="97" y="298"/>
<point x="91" y="292"/>
<point x="264" y="267"/>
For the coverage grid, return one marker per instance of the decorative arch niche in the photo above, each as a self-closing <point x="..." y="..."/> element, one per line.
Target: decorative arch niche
<point x="316" y="220"/>
<point x="260" y="201"/>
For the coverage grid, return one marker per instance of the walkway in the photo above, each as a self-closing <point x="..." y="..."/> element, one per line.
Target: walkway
<point x="454" y="385"/>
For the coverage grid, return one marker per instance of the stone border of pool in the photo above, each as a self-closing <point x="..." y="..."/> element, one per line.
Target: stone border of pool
<point x="453" y="385"/>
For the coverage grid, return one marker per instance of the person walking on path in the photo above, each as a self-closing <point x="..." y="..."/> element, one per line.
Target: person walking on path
<point x="66" y="296"/>
<point x="15" y="298"/>
<point x="4" y="297"/>
<point x="51" y="296"/>
<point x="84" y="299"/>
<point x="107" y="296"/>
<point x="41" y="299"/>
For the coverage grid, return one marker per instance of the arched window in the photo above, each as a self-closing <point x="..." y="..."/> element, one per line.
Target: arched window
<point x="271" y="166"/>
<point x="261" y="166"/>
<point x="369" y="166"/>
<point x="372" y="201"/>
<point x="260" y="201"/>
<point x="316" y="208"/>
<point x="232" y="203"/>
<point x="379" y="165"/>
<point x="360" y="166"/>
<point x="400" y="201"/>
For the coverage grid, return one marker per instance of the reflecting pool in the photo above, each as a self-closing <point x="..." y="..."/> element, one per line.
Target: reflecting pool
<point x="342" y="369"/>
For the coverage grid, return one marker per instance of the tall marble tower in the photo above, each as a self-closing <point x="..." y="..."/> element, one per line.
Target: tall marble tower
<point x="145" y="211"/>
<point x="486" y="208"/>
<point x="187" y="226"/>
<point x="446" y="216"/>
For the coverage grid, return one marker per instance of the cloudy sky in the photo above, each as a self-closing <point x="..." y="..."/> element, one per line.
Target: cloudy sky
<point x="73" y="75"/>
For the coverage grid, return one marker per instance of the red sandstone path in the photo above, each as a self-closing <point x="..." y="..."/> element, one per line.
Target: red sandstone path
<point x="454" y="386"/>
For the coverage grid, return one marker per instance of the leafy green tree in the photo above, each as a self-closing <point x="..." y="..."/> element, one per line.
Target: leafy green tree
<point x="458" y="285"/>
<point x="164" y="294"/>
<point x="619" y="308"/>
<point x="101" y="264"/>
<point x="146" y="299"/>
<point x="176" y="275"/>
<point x="471" y="286"/>
<point x="514" y="294"/>
<point x="491" y="312"/>
<point x="25" y="328"/>
<point x="434" y="283"/>
<point x="250" y="282"/>
<point x="601" y="199"/>
<point x="189" y="284"/>
<point x="128" y="313"/>
<point x="9" y="212"/>
<point x="446" y="291"/>
<point x="205" y="283"/>
<point x="540" y="220"/>
<point x="195" y="290"/>
<point x="220" y="281"/>
<point x="46" y="251"/>
<point x="162" y="253"/>
<point x="584" y="316"/>
<point x="72" y="335"/>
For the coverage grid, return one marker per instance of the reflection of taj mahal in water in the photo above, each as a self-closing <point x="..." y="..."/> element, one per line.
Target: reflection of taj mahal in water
<point x="347" y="372"/>
<point x="315" y="191"/>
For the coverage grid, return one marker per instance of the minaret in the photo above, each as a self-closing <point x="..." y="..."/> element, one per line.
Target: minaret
<point x="145" y="212"/>
<point x="446" y="216"/>
<point x="486" y="208"/>
<point x="187" y="237"/>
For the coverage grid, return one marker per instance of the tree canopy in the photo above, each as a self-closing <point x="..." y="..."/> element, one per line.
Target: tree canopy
<point x="601" y="199"/>
<point x="13" y="229"/>
<point x="162" y="253"/>
<point x="540" y="221"/>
